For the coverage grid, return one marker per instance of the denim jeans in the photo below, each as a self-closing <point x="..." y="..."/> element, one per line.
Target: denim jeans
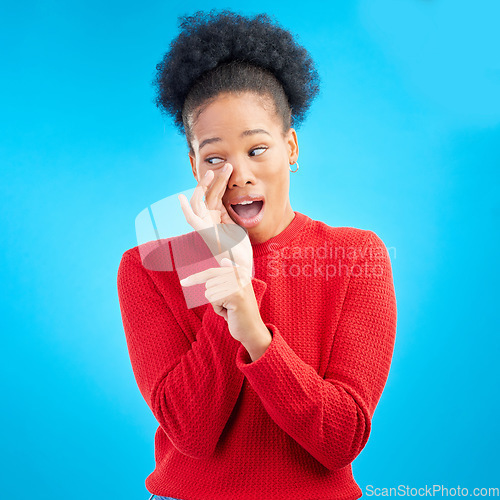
<point x="156" y="497"/>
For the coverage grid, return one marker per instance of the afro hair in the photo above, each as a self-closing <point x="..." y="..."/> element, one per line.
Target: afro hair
<point x="209" y="41"/>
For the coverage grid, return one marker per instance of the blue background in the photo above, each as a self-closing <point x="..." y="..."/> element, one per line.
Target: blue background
<point x="404" y="140"/>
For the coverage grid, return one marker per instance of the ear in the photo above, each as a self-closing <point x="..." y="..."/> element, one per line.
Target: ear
<point x="293" y="146"/>
<point x="192" y="159"/>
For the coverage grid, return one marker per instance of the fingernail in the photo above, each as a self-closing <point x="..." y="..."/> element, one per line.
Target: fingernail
<point x="224" y="168"/>
<point x="206" y="173"/>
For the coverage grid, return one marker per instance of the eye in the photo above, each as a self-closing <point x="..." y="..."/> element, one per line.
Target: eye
<point x="260" y="148"/>
<point x="209" y="160"/>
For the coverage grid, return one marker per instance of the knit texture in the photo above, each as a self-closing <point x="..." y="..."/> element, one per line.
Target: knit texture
<point x="289" y="424"/>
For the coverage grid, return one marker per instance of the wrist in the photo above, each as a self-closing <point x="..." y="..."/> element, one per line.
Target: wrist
<point x="258" y="344"/>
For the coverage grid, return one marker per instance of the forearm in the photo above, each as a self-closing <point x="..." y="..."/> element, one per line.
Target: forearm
<point x="258" y="345"/>
<point x="194" y="400"/>
<point x="330" y="415"/>
<point x="188" y="378"/>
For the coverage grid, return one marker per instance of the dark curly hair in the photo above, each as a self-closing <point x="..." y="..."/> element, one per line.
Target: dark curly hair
<point x="226" y="52"/>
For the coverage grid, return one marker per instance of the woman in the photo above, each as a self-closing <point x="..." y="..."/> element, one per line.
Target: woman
<point x="266" y="391"/>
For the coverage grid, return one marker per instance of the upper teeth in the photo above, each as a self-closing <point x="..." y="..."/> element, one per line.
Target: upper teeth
<point x="244" y="203"/>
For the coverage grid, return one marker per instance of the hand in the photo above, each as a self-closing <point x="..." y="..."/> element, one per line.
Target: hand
<point x="210" y="219"/>
<point x="229" y="289"/>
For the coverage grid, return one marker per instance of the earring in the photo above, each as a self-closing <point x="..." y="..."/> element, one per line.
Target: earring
<point x="296" y="163"/>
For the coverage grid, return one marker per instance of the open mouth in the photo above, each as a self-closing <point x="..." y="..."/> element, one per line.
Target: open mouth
<point x="248" y="211"/>
<point x="248" y="214"/>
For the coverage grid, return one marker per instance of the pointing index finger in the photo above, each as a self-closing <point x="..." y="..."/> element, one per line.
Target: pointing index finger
<point x="205" y="275"/>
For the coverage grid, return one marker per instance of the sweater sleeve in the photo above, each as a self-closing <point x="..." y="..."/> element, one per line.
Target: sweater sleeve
<point x="190" y="386"/>
<point x="330" y="417"/>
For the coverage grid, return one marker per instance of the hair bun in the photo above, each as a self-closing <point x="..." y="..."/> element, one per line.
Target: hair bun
<point x="208" y="39"/>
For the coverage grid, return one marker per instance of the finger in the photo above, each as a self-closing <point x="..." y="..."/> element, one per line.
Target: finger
<point x="243" y="275"/>
<point x="239" y="279"/>
<point x="203" y="276"/>
<point x="225" y="280"/>
<point x="190" y="216"/>
<point x="220" y="293"/>
<point x="223" y="186"/>
<point x="215" y="192"/>
<point x="198" y="205"/>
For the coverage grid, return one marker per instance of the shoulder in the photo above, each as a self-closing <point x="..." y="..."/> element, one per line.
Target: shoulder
<point x="343" y="235"/>
<point x="354" y="240"/>
<point x="131" y="253"/>
<point x="149" y="258"/>
<point x="147" y="271"/>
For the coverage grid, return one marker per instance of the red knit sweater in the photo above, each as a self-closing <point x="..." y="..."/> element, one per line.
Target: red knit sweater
<point x="289" y="424"/>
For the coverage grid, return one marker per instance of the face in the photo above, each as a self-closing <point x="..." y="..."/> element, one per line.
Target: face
<point x="245" y="131"/>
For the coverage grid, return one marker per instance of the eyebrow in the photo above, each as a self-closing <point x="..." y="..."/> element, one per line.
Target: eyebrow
<point x="243" y="134"/>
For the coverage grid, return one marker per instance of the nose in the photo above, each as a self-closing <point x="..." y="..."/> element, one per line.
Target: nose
<point x="241" y="175"/>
